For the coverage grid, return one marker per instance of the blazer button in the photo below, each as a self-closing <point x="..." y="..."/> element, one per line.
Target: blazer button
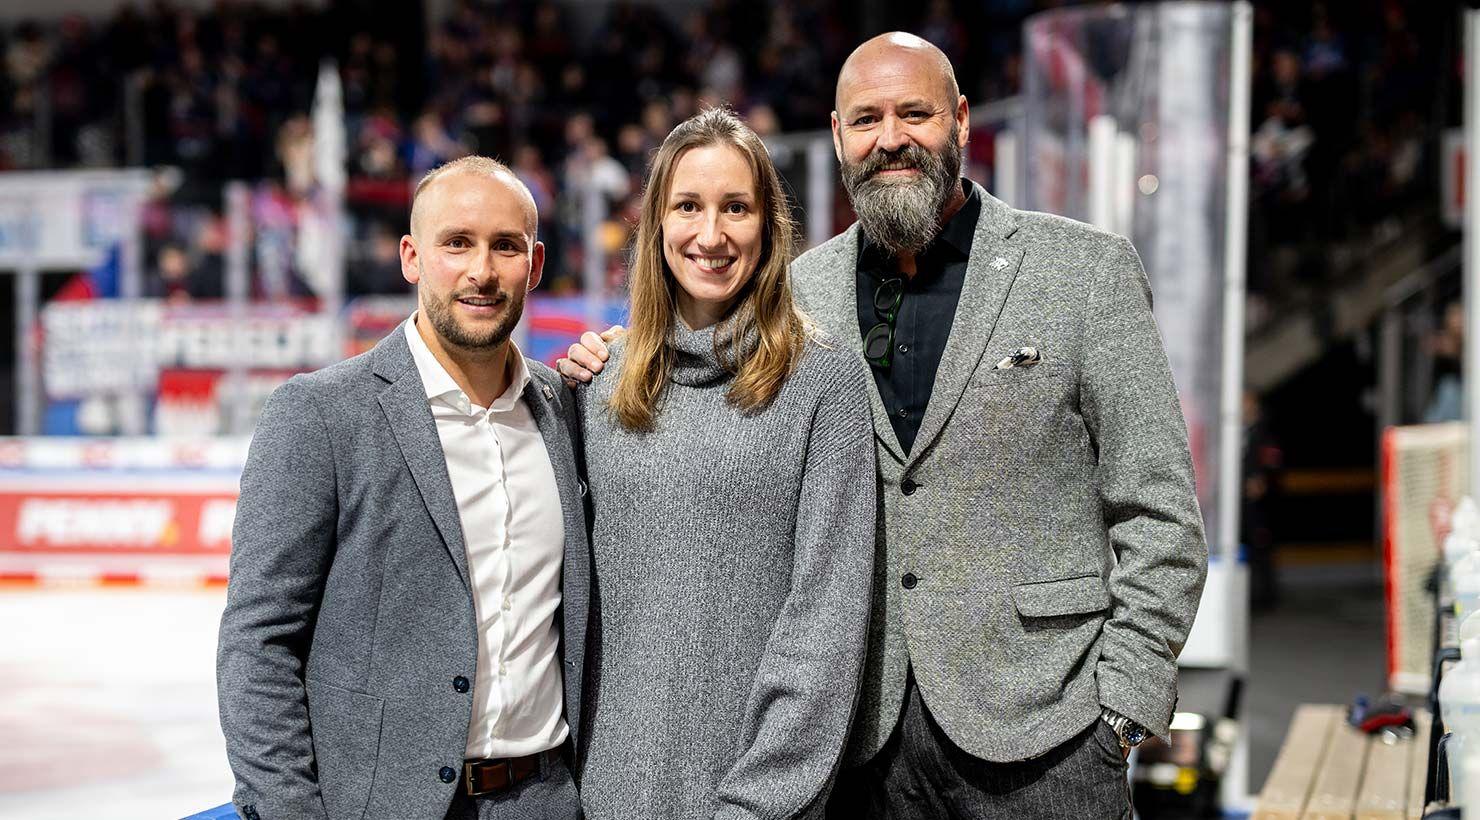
<point x="447" y="774"/>
<point x="460" y="683"/>
<point x="908" y="487"/>
<point x="909" y="580"/>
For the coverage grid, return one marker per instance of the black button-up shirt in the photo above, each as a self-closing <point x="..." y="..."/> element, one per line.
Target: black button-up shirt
<point x="925" y="314"/>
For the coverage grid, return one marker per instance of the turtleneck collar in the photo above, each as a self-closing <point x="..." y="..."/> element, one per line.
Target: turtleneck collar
<point x="711" y="355"/>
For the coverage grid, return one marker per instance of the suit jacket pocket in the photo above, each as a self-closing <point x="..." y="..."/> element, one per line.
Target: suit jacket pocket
<point x="1080" y="595"/>
<point x="989" y="376"/>
<point x="346" y="741"/>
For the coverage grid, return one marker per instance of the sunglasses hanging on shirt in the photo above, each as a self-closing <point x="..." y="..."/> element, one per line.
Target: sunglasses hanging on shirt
<point x="878" y="343"/>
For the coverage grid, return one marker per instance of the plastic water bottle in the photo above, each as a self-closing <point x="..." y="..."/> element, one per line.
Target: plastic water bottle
<point x="1471" y="795"/>
<point x="1466" y="517"/>
<point x="1463" y="538"/>
<point x="1457" y="547"/>
<point x="1469" y="627"/>
<point x="1464" y="582"/>
<point x="1464" y="532"/>
<point x="1459" y="704"/>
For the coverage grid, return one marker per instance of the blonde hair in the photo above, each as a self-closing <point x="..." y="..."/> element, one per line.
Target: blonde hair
<point x="765" y="303"/>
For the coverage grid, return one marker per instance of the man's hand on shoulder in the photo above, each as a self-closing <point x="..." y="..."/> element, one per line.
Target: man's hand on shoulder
<point x="585" y="358"/>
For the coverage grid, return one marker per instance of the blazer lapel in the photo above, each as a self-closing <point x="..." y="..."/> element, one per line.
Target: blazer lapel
<point x="540" y="399"/>
<point x="404" y="402"/>
<point x="575" y="572"/>
<point x="838" y="309"/>
<point x="990" y="270"/>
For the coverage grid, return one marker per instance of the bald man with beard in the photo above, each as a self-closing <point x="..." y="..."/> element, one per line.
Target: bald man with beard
<point x="1042" y="546"/>
<point x="1041" y="552"/>
<point x="405" y="624"/>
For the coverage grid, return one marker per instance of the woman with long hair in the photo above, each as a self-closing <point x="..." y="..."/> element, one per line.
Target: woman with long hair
<point x="731" y="469"/>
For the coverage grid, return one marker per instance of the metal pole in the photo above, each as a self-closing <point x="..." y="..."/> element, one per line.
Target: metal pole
<point x="1389" y="372"/>
<point x="1472" y="235"/>
<point x="1101" y="160"/>
<point x="1234" y="260"/>
<point x="1124" y="187"/>
<point x="238" y="289"/>
<point x="821" y="186"/>
<point x="133" y="119"/>
<point x="131" y="256"/>
<point x="27" y="365"/>
<point x="1230" y="438"/>
<point x="1005" y="174"/>
<point x="132" y="404"/>
<point x="41" y="125"/>
<point x="1389" y="390"/>
<point x="593" y="267"/>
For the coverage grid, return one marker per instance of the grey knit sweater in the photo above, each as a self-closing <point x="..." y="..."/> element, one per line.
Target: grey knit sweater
<point x="733" y="561"/>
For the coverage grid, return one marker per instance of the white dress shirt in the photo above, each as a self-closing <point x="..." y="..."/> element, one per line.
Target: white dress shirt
<point x="509" y="507"/>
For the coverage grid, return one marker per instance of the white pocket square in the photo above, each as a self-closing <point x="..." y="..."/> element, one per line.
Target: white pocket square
<point x="1022" y="357"/>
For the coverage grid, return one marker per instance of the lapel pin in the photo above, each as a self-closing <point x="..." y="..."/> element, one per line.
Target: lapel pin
<point x="999" y="263"/>
<point x="549" y="394"/>
<point x="1022" y="357"/>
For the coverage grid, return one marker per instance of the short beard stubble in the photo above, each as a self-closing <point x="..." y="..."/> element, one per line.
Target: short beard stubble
<point x="904" y="217"/>
<point x="439" y="313"/>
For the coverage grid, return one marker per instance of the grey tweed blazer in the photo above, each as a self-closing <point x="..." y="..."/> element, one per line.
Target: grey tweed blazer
<point x="348" y="613"/>
<point x="1046" y="514"/>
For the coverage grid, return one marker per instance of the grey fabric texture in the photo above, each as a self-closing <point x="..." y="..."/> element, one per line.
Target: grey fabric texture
<point x="732" y="558"/>
<point x="550" y="796"/>
<point x="922" y="775"/>
<point x="348" y="611"/>
<point x="1046" y="512"/>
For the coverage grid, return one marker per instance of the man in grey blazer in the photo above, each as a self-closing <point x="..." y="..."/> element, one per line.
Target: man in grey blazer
<point x="406" y="616"/>
<point x="1042" y="553"/>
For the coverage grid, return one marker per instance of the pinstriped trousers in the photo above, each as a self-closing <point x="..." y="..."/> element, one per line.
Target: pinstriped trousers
<point x="921" y="775"/>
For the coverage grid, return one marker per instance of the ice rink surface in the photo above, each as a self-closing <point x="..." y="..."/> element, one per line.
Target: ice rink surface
<point x="108" y="703"/>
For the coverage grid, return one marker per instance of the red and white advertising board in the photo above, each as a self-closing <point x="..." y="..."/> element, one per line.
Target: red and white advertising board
<point x="117" y="511"/>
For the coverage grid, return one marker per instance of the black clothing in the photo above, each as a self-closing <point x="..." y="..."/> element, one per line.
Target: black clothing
<point x="925" y="314"/>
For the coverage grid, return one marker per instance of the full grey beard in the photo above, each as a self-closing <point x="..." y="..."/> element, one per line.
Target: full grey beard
<point x="903" y="217"/>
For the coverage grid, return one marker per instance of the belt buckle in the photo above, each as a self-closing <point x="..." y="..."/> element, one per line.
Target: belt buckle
<point x="470" y="766"/>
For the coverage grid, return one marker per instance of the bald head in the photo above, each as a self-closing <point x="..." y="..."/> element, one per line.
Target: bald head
<point x="897" y="54"/>
<point x="474" y="165"/>
<point x="900" y="132"/>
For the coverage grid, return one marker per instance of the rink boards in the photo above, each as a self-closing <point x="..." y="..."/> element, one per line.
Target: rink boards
<point x="117" y="511"/>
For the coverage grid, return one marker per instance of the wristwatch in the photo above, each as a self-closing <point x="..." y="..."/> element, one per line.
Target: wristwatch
<point x="1131" y="733"/>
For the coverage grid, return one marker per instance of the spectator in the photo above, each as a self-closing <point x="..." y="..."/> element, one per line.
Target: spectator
<point x="1263" y="463"/>
<point x="28" y="55"/>
<point x="220" y="93"/>
<point x="174" y="276"/>
<point x="377" y="154"/>
<point x="592" y="167"/>
<point x="295" y="154"/>
<point x="432" y="143"/>
<point x="377" y="268"/>
<point x="1447" y="345"/>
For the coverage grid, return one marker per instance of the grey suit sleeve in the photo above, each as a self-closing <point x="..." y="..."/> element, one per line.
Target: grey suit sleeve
<point x="282" y="546"/>
<point x="1146" y="483"/>
<point x="801" y="704"/>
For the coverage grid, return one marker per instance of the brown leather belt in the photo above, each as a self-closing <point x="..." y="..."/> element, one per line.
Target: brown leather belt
<point x="493" y="775"/>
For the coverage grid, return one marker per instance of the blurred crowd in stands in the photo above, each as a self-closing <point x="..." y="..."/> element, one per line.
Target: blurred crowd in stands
<point x="1349" y="102"/>
<point x="574" y="96"/>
